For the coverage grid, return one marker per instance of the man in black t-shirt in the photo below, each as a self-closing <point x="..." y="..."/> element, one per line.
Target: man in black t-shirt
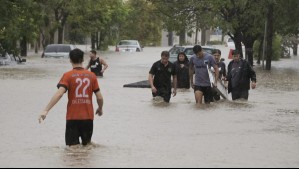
<point x="160" y="78"/>
<point x="96" y="64"/>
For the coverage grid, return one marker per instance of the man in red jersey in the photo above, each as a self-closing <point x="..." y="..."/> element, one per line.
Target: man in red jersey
<point x="80" y="84"/>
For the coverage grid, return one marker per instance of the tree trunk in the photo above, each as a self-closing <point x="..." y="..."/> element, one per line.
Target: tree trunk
<point x="196" y="33"/>
<point x="196" y="36"/>
<point x="249" y="41"/>
<point x="36" y="47"/>
<point x="93" y="41"/>
<point x="203" y="37"/>
<point x="103" y="45"/>
<point x="60" y="34"/>
<point x="182" y="37"/>
<point x="249" y="54"/>
<point x="170" y="38"/>
<point x="23" y="45"/>
<point x="260" y="52"/>
<point x="237" y="38"/>
<point x="269" y="36"/>
<point x="295" y="49"/>
<point x="52" y="37"/>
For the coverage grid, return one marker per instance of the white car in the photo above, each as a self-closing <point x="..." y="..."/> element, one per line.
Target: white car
<point x="128" y="46"/>
<point x="230" y="43"/>
<point x="58" y="50"/>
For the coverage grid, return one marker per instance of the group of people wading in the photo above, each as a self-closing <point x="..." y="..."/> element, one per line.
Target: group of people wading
<point x="194" y="73"/>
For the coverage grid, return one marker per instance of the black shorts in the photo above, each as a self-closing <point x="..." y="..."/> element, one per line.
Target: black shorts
<point x="76" y="129"/>
<point x="207" y="93"/>
<point x="164" y="93"/>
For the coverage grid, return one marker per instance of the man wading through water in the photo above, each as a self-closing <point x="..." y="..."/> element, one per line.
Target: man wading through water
<point x="80" y="85"/>
<point x="222" y="72"/>
<point x="199" y="63"/>
<point x="97" y="66"/>
<point x="239" y="74"/>
<point x="160" y="78"/>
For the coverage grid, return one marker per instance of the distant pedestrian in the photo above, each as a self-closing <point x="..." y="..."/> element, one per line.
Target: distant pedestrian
<point x="182" y="70"/>
<point x="222" y="72"/>
<point x="200" y="63"/>
<point x="239" y="75"/>
<point x="97" y="66"/>
<point x="160" y="78"/>
<point x="80" y="84"/>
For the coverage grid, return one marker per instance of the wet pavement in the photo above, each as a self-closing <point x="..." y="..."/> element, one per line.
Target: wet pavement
<point x="135" y="131"/>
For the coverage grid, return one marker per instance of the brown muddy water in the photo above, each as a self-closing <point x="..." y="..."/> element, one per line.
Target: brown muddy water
<point x="137" y="132"/>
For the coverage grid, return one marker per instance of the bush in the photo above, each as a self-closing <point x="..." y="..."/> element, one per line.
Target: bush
<point x="276" y="48"/>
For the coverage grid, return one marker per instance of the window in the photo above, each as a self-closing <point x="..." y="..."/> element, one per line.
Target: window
<point x="134" y="43"/>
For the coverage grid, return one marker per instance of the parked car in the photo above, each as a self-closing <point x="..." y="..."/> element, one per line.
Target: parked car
<point x="188" y="50"/>
<point x="128" y="46"/>
<point x="6" y="59"/>
<point x="58" y="50"/>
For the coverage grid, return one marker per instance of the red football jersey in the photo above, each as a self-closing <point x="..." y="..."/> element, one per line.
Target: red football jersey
<point x="80" y="84"/>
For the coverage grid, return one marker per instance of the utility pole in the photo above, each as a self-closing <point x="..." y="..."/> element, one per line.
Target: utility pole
<point x="265" y="44"/>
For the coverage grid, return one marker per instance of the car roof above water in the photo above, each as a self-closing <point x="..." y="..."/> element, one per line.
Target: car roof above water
<point x="184" y="48"/>
<point x="59" y="48"/>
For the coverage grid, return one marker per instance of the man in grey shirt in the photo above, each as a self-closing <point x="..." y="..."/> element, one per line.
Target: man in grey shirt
<point x="199" y="64"/>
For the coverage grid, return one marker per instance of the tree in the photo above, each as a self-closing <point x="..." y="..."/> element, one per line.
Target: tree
<point x="19" y="24"/>
<point x="185" y="16"/>
<point x="141" y="23"/>
<point x="99" y="19"/>
<point x="236" y="16"/>
<point x="288" y="21"/>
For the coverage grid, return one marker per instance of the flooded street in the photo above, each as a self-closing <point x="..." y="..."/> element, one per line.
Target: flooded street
<point x="135" y="132"/>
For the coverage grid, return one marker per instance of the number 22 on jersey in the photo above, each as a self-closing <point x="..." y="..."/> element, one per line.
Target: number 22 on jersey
<point x="82" y="86"/>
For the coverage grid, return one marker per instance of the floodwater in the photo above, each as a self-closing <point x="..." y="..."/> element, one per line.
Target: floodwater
<point x="135" y="131"/>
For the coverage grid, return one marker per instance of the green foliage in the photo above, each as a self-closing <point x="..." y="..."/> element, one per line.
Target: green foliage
<point x="96" y="17"/>
<point x="185" y="16"/>
<point x="141" y="23"/>
<point x="256" y="49"/>
<point x="140" y="19"/>
<point x="18" y="19"/>
<point x="286" y="17"/>
<point x="276" y="49"/>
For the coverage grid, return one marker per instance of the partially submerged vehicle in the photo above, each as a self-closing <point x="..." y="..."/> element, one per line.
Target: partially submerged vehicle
<point x="7" y="59"/>
<point x="58" y="51"/>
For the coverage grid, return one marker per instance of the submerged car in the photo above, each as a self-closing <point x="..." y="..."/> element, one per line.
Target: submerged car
<point x="188" y="50"/>
<point x="128" y="46"/>
<point x="7" y="59"/>
<point x="58" y="51"/>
